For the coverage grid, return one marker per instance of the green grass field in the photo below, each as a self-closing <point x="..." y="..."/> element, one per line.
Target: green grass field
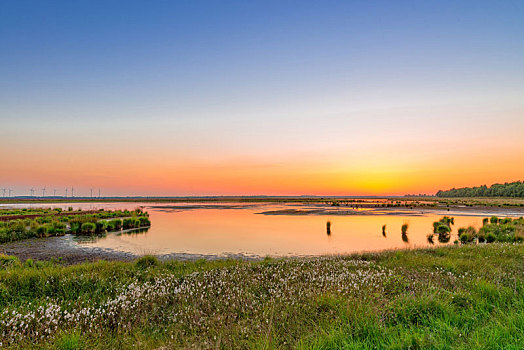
<point x="464" y="297"/>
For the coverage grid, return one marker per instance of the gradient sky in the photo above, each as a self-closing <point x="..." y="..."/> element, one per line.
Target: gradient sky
<point x="260" y="97"/>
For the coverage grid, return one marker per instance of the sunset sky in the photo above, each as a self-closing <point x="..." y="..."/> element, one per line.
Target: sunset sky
<point x="260" y="97"/>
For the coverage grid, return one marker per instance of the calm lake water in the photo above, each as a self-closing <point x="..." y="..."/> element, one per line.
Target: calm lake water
<point x="239" y="228"/>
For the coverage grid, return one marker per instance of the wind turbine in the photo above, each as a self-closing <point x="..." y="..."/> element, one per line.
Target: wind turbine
<point x="32" y="192"/>
<point x="98" y="193"/>
<point x="72" y="192"/>
<point x="10" y="190"/>
<point x="43" y="192"/>
<point x="3" y="191"/>
<point x="91" y="193"/>
<point x="66" y="191"/>
<point x="54" y="192"/>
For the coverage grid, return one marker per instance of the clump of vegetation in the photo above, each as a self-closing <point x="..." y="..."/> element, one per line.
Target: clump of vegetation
<point x="88" y="228"/>
<point x="443" y="228"/>
<point x="114" y="225"/>
<point x="404" y="229"/>
<point x="18" y="224"/>
<point x="384" y="230"/>
<point x="512" y="189"/>
<point x="147" y="261"/>
<point x="498" y="230"/>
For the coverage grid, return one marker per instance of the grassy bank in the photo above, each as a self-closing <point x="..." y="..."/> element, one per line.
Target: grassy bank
<point x="462" y="297"/>
<point x="19" y="224"/>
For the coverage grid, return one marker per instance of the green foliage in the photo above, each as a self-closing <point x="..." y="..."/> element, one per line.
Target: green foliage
<point x="129" y="223"/>
<point x="54" y="222"/>
<point x="457" y="297"/>
<point x="511" y="189"/>
<point x="144" y="221"/>
<point x="69" y="342"/>
<point x="114" y="225"/>
<point x="505" y="230"/>
<point x="404" y="229"/>
<point x="88" y="228"/>
<point x="442" y="228"/>
<point x="7" y="261"/>
<point x="147" y="261"/>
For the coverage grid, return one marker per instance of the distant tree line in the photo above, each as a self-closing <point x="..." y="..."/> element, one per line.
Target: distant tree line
<point x="511" y="189"/>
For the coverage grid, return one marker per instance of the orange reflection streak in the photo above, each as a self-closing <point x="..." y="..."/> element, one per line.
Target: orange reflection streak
<point x="211" y="231"/>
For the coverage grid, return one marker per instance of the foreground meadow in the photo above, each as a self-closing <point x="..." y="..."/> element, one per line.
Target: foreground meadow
<point x="469" y="297"/>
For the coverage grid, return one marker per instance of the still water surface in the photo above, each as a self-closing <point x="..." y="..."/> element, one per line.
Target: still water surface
<point x="237" y="228"/>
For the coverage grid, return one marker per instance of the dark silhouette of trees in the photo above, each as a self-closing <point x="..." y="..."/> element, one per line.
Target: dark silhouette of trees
<point x="508" y="189"/>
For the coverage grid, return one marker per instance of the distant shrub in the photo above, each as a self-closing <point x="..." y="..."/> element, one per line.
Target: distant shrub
<point x="404" y="229"/>
<point x="144" y="221"/>
<point x="444" y="237"/>
<point x="114" y="225"/>
<point x="101" y="226"/>
<point x="147" y="261"/>
<point x="88" y="228"/>
<point x="466" y="237"/>
<point x="490" y="237"/>
<point x="7" y="261"/>
<point x="481" y="237"/>
<point x="129" y="223"/>
<point x="494" y="220"/>
<point x="41" y="231"/>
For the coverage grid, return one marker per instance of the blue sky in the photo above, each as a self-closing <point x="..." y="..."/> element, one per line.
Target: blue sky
<point x="220" y="81"/>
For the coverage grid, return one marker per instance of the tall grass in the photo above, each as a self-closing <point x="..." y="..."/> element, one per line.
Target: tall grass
<point x="469" y="297"/>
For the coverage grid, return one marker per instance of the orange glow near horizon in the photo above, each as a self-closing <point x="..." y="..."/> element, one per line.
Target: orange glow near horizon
<point x="389" y="174"/>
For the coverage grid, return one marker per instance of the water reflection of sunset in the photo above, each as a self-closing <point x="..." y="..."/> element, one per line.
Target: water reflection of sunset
<point x="221" y="231"/>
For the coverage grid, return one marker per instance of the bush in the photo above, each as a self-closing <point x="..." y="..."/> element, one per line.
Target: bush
<point x="144" y="221"/>
<point x="404" y="229"/>
<point x="8" y="261"/>
<point x="41" y="231"/>
<point x="147" y="261"/>
<point x="101" y="226"/>
<point x="466" y="237"/>
<point x="490" y="237"/>
<point x="494" y="220"/>
<point x="88" y="228"/>
<point x="114" y="225"/>
<point x="131" y="223"/>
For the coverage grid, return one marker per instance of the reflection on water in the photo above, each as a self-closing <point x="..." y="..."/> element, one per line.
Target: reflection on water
<point x="95" y="238"/>
<point x="233" y="228"/>
<point x="444" y="237"/>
